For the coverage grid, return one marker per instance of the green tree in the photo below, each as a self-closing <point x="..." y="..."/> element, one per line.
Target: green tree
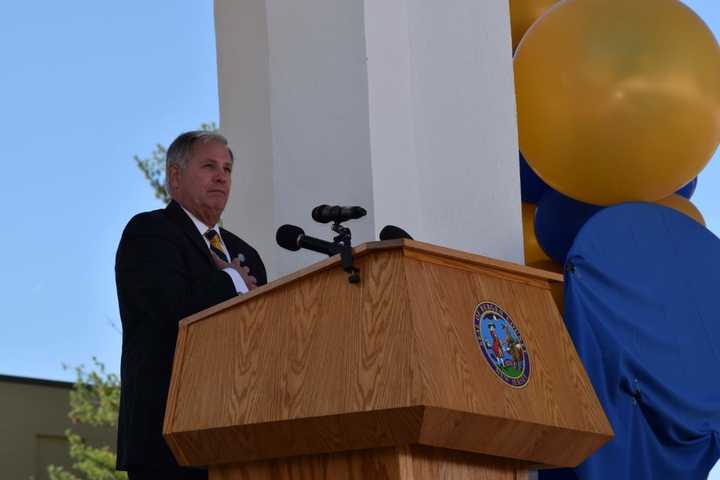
<point x="153" y="167"/>
<point x="94" y="401"/>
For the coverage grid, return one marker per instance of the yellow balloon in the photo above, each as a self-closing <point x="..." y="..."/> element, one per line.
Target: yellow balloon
<point x="534" y="254"/>
<point x="682" y="205"/>
<point x="523" y="14"/>
<point x="618" y="100"/>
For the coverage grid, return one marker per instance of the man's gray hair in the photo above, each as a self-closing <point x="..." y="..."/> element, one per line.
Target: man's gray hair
<point x="180" y="149"/>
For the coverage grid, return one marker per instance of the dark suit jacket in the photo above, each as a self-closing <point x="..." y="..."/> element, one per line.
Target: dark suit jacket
<point x="164" y="272"/>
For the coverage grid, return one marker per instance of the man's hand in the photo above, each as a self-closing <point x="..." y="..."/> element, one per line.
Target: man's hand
<point x="235" y="264"/>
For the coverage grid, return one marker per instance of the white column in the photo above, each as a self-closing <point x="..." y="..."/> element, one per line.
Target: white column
<point x="244" y="90"/>
<point x="404" y="107"/>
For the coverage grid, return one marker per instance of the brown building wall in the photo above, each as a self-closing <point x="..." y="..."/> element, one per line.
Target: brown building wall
<point x="33" y="420"/>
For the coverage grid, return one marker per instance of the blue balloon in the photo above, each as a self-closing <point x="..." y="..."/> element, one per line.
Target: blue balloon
<point x="558" y="220"/>
<point x="688" y="190"/>
<point x="531" y="186"/>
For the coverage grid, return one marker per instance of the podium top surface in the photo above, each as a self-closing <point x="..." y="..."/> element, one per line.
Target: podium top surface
<point x="410" y="247"/>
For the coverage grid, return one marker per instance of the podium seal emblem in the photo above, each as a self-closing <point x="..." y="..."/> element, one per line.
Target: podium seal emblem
<point x="501" y="344"/>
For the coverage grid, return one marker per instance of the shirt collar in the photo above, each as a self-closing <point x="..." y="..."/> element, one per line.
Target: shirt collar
<point x="202" y="228"/>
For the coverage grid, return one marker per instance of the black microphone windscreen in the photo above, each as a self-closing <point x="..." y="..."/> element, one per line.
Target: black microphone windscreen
<point x="336" y="213"/>
<point x="318" y="213"/>
<point x="391" y="232"/>
<point x="287" y="237"/>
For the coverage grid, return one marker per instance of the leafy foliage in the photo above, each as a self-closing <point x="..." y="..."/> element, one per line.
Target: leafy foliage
<point x="154" y="170"/>
<point x="94" y="400"/>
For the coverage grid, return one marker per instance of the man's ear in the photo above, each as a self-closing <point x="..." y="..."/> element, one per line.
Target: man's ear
<point x="173" y="176"/>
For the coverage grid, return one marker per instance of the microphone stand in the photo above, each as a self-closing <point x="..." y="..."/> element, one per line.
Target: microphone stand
<point x="343" y="241"/>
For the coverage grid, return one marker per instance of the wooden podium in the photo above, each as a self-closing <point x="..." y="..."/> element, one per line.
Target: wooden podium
<point x="311" y="377"/>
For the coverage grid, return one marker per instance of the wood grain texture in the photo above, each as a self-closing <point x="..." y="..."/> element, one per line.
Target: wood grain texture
<point x="472" y="398"/>
<point x="380" y="464"/>
<point x="307" y="354"/>
<point x="479" y="260"/>
<point x="409" y="247"/>
<point x="400" y="463"/>
<point x="459" y="264"/>
<point x="335" y="433"/>
<point x="434" y="463"/>
<point x="313" y="364"/>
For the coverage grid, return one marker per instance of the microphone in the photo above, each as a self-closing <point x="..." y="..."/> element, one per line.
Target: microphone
<point x="336" y="213"/>
<point x="293" y="238"/>
<point x="391" y="232"/>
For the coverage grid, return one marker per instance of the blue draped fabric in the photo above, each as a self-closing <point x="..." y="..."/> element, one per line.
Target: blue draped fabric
<point x="642" y="304"/>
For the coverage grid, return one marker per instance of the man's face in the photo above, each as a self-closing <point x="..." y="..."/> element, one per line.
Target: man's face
<point x="203" y="186"/>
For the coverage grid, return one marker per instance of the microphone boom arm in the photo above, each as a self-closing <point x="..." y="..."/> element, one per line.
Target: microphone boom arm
<point x="343" y="241"/>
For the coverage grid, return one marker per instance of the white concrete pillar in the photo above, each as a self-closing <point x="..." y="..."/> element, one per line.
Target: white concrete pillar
<point x="405" y="107"/>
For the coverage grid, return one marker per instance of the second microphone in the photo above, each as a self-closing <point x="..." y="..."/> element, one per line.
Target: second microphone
<point x="293" y="238"/>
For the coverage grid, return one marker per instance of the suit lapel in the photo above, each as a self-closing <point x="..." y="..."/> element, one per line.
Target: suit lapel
<point x="235" y="249"/>
<point x="178" y="216"/>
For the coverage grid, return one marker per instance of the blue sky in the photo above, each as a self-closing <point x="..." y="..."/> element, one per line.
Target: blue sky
<point x="86" y="85"/>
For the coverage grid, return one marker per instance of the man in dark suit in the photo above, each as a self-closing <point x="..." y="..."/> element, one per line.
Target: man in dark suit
<point x="172" y="263"/>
